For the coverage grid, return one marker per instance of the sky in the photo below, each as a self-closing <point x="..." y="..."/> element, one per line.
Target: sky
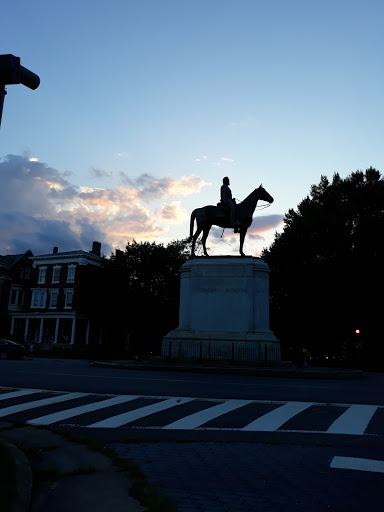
<point x="145" y="105"/>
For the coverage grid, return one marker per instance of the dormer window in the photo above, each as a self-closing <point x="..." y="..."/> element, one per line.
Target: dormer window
<point x="71" y="273"/>
<point x="56" y="274"/>
<point x="42" y="275"/>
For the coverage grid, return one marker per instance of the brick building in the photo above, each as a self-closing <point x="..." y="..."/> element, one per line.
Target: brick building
<point x="15" y="283"/>
<point x="55" y="315"/>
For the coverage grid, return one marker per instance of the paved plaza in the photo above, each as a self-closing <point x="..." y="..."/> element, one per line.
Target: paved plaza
<point x="251" y="477"/>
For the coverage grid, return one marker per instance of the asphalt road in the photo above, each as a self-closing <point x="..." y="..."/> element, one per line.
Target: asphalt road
<point x="221" y="469"/>
<point x="75" y="375"/>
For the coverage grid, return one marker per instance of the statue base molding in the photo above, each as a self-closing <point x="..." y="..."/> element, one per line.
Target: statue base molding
<point x="224" y="312"/>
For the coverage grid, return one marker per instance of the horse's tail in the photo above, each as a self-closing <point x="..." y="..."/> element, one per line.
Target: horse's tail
<point x="193" y="217"/>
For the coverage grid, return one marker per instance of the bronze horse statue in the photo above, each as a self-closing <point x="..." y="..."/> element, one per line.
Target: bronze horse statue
<point x="209" y="216"/>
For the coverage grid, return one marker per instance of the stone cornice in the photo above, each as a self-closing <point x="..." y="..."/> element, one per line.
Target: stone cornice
<point x="79" y="257"/>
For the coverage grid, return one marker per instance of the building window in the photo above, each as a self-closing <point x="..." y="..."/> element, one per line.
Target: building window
<point x="39" y="298"/>
<point x="53" y="295"/>
<point x="13" y="298"/>
<point x="42" y="275"/>
<point x="20" y="299"/>
<point x="43" y="298"/>
<point x="56" y="274"/>
<point x="68" y="298"/>
<point x="35" y="298"/>
<point x="25" y="273"/>
<point x="16" y="297"/>
<point x="71" y="273"/>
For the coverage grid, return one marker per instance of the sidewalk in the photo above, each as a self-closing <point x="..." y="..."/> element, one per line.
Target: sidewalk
<point x="57" y="473"/>
<point x="283" y="371"/>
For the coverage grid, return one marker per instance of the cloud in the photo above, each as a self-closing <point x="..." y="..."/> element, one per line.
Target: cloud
<point x="147" y="187"/>
<point x="224" y="161"/>
<point x="40" y="208"/>
<point x="101" y="173"/>
<point x="172" y="213"/>
<point x="265" y="223"/>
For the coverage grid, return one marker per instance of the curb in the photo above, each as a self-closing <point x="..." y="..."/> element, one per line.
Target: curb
<point x="24" y="478"/>
<point x="295" y="373"/>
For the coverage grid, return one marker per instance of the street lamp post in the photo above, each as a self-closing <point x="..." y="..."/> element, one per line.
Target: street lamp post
<point x="12" y="72"/>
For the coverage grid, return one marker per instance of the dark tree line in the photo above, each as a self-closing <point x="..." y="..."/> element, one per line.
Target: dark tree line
<point x="136" y="298"/>
<point x="327" y="271"/>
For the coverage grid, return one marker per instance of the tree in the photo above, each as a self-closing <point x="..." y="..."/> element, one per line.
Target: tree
<point x="137" y="300"/>
<point x="326" y="266"/>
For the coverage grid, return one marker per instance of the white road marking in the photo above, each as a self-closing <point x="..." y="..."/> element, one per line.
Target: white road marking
<point x="201" y="417"/>
<point x="274" y="419"/>
<point x="82" y="409"/>
<point x="353" y="421"/>
<point x="39" y="403"/>
<point x="375" y="466"/>
<point x="16" y="394"/>
<point x="128" y="417"/>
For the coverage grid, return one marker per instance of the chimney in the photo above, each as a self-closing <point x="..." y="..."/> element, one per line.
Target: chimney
<point x="55" y="249"/>
<point x="96" y="248"/>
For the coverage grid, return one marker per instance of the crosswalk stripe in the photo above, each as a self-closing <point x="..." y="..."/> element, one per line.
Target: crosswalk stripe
<point x="274" y="419"/>
<point x="39" y="403"/>
<point x="359" y="464"/>
<point x="82" y="409"/>
<point x="17" y="394"/>
<point x="129" y="416"/>
<point x="201" y="417"/>
<point x="354" y="420"/>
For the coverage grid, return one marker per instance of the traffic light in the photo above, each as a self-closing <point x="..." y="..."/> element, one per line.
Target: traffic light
<point x="12" y="72"/>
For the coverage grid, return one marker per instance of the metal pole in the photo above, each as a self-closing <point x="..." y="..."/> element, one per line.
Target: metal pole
<point x="3" y="92"/>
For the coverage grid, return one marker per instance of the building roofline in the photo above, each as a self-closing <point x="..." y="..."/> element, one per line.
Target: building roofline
<point x="68" y="256"/>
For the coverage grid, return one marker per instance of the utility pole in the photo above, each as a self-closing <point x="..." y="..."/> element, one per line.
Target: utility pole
<point x="11" y="72"/>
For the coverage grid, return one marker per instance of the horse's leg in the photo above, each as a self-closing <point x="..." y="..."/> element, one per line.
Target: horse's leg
<point x="194" y="238"/>
<point x="204" y="239"/>
<point x="242" y="237"/>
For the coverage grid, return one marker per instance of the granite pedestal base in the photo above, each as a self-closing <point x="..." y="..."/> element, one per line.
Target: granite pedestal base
<point x="224" y="312"/>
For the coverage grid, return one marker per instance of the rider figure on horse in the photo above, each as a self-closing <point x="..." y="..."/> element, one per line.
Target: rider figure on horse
<point x="228" y="202"/>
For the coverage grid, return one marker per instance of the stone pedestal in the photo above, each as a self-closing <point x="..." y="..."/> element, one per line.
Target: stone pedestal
<point x="224" y="312"/>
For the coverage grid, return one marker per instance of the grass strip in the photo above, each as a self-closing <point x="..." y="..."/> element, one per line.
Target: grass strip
<point x="8" y="479"/>
<point x="148" y="495"/>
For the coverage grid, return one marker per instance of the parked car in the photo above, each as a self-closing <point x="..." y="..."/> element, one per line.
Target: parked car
<point x="12" y="350"/>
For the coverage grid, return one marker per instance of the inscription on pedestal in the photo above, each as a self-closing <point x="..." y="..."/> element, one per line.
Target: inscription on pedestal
<point x="221" y="290"/>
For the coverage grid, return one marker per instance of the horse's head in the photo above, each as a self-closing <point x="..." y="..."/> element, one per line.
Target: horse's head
<point x="264" y="196"/>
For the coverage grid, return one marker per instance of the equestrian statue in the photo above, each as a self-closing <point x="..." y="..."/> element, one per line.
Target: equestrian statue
<point x="227" y="214"/>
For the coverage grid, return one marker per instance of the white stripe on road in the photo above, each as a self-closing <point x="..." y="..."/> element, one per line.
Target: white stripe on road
<point x="82" y="409"/>
<point x="136" y="414"/>
<point x="39" y="403"/>
<point x="274" y="419"/>
<point x="16" y="394"/>
<point x="201" y="417"/>
<point x="375" y="466"/>
<point x="354" y="420"/>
